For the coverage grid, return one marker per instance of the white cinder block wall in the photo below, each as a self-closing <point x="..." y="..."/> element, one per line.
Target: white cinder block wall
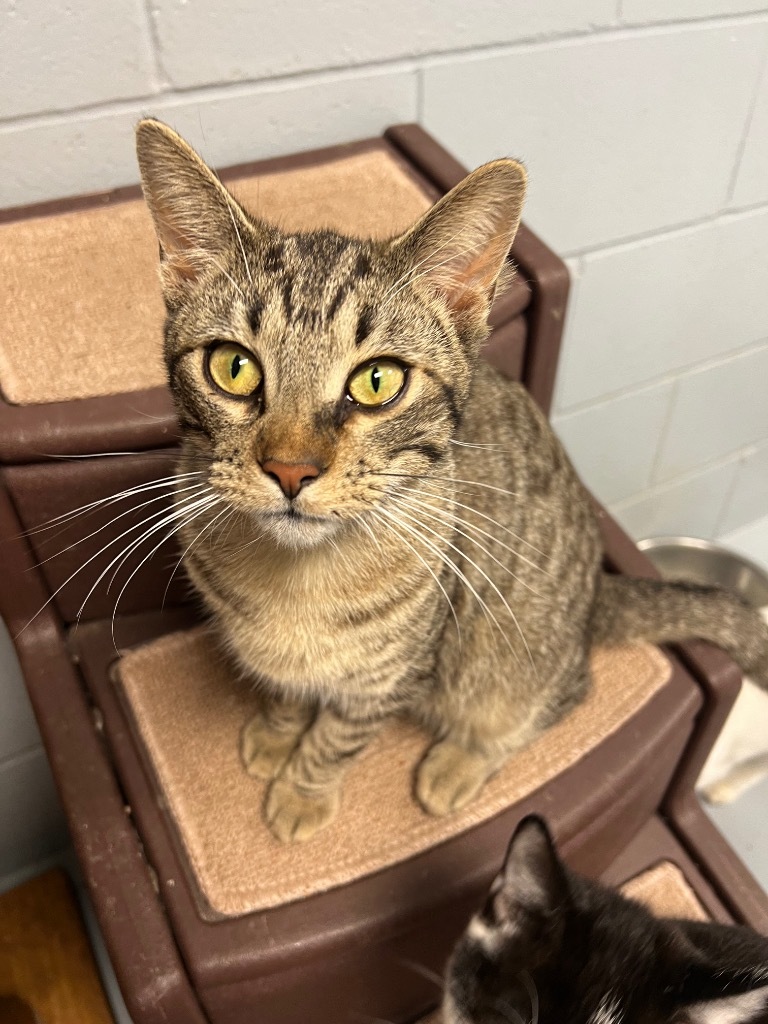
<point x="644" y="124"/>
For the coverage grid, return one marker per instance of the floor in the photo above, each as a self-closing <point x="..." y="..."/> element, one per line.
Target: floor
<point x="744" y="823"/>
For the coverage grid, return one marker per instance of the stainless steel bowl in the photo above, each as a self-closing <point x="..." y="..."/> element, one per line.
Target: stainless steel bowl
<point x="701" y="561"/>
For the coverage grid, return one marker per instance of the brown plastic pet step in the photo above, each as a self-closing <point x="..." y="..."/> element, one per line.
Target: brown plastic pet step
<point x="187" y="709"/>
<point x="182" y="953"/>
<point x="337" y="916"/>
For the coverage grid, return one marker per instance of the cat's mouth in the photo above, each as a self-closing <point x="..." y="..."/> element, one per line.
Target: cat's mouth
<point x="294" y="515"/>
<point x="294" y="528"/>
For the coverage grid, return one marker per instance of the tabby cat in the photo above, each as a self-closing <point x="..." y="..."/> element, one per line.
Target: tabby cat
<point x="390" y="526"/>
<point x="550" y="947"/>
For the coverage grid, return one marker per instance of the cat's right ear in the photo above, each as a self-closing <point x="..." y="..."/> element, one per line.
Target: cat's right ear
<point x="195" y="218"/>
<point x="460" y="246"/>
<point x="532" y="880"/>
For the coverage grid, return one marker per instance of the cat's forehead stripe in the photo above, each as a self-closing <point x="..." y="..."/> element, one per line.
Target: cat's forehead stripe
<point x="254" y="317"/>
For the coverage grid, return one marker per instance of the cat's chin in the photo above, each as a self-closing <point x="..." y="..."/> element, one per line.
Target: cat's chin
<point x="294" y="530"/>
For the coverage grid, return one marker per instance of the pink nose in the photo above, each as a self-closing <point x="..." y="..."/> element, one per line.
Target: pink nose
<point x="291" y="476"/>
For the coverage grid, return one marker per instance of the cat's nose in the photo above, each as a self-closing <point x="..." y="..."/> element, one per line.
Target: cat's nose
<point x="291" y="476"/>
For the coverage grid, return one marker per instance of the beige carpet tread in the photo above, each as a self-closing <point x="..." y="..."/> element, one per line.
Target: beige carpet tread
<point x="81" y="306"/>
<point x="189" y="712"/>
<point x="663" y="889"/>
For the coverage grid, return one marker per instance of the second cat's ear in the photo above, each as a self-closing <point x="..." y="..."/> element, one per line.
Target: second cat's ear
<point x="194" y="216"/>
<point x="532" y="880"/>
<point x="460" y="246"/>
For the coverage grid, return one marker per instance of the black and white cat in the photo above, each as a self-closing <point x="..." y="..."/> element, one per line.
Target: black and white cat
<point x="551" y="947"/>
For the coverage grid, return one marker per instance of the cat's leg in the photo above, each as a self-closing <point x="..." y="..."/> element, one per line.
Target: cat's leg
<point x="480" y="722"/>
<point x="270" y="737"/>
<point x="306" y="794"/>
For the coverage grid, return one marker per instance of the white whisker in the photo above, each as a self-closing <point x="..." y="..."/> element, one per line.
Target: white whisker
<point x="442" y="517"/>
<point x="425" y="972"/>
<point x="426" y="565"/>
<point x="232" y="512"/>
<point x="508" y="1012"/>
<point x="179" y="510"/>
<point x="533" y="995"/>
<point x="466" y="444"/>
<point x="175" y="517"/>
<point x="108" y="455"/>
<point x="488" y="579"/>
<point x="482" y="515"/>
<point x="109" y="499"/>
<point x="170" y="533"/>
<point x="452" y="480"/>
<point x="240" y="242"/>
<point x="472" y="526"/>
<point x="412" y="270"/>
<point x="80" y="568"/>
<point x="134" y="508"/>
<point x="225" y="272"/>
<point x="454" y="569"/>
<point x="361" y="521"/>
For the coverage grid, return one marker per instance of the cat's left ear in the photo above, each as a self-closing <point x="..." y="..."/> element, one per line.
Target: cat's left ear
<point x="460" y="246"/>
<point x="532" y="880"/>
<point x="196" y="219"/>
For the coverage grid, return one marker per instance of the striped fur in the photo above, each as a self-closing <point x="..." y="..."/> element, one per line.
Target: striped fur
<point x="445" y="562"/>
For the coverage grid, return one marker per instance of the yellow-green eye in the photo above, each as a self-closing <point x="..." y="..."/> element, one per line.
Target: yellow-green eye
<point x="233" y="369"/>
<point x="376" y="383"/>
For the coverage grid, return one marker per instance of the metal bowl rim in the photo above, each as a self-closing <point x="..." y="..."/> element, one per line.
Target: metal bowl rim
<point x="700" y="544"/>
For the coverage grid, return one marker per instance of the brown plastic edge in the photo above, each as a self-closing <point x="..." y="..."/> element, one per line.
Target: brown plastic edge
<point x="720" y="680"/>
<point x="546" y="272"/>
<point x="152" y="977"/>
<point x="654" y="843"/>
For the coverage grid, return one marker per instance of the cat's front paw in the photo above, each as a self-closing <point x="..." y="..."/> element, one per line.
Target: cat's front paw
<point x="294" y="817"/>
<point x="264" y="751"/>
<point x="449" y="777"/>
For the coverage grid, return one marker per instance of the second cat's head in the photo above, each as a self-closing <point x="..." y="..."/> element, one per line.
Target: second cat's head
<point x="308" y="367"/>
<point x="550" y="947"/>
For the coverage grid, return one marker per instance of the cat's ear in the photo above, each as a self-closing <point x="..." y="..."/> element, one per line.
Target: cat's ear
<point x="460" y="246"/>
<point x="532" y="880"/>
<point x="195" y="218"/>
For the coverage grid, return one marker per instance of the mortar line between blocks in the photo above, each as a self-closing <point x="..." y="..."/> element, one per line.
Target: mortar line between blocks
<point x="163" y="79"/>
<point x="664" y="432"/>
<point x="761" y="75"/>
<point x="405" y="62"/>
<point x="654" y="490"/>
<point x="725" y="505"/>
<point x="211" y="92"/>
